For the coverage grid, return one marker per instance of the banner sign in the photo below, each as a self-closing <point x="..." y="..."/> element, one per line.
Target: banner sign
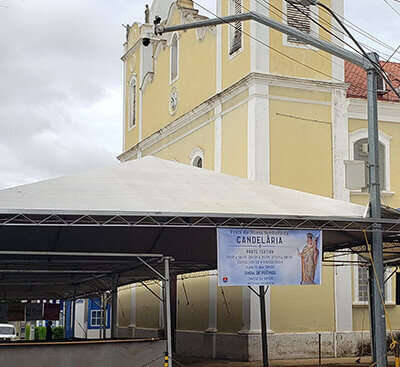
<point x="51" y="311"/>
<point x="34" y="311"/>
<point x="252" y="257"/>
<point x="16" y="311"/>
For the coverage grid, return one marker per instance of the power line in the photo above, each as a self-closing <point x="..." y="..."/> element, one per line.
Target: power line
<point x="392" y="7"/>
<point x="270" y="47"/>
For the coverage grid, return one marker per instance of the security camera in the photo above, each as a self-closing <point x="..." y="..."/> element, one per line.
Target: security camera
<point x="146" y="41"/>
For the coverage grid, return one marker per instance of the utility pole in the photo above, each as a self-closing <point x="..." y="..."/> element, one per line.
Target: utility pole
<point x="378" y="323"/>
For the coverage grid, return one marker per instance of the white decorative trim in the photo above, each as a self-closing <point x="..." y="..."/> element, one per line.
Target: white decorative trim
<point x="314" y="30"/>
<point x="124" y="108"/>
<point x="244" y="84"/>
<point x="132" y="104"/>
<point x="384" y="139"/>
<point x="195" y="154"/>
<point x="172" y="81"/>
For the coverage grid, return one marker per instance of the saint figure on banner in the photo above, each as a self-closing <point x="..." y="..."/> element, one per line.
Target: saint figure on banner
<point x="309" y="260"/>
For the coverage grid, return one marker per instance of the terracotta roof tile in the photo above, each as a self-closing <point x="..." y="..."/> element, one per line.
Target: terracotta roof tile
<point x="357" y="79"/>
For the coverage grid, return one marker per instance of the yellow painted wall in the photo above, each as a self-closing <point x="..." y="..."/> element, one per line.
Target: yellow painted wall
<point x="124" y="306"/>
<point x="234" y="142"/>
<point x="180" y="150"/>
<point x="301" y="150"/>
<point x="193" y="306"/>
<point x="305" y="308"/>
<point x="195" y="84"/>
<point x="319" y="64"/>
<point x="235" y="67"/>
<point x="229" y="309"/>
<point x="147" y="307"/>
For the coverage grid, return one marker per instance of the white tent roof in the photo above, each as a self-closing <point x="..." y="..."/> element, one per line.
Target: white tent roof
<point x="157" y="186"/>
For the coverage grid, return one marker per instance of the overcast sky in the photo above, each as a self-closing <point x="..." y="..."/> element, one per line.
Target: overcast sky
<point x="61" y="80"/>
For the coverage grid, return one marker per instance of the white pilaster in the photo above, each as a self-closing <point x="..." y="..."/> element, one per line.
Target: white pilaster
<point x="340" y="143"/>
<point x="343" y="297"/>
<point x="218" y="61"/>
<point x="337" y="64"/>
<point x="218" y="138"/>
<point x="259" y="54"/>
<point x="258" y="168"/>
<point x="251" y="319"/>
<point x="213" y="310"/>
<point x="258" y="144"/>
<point x="132" y="320"/>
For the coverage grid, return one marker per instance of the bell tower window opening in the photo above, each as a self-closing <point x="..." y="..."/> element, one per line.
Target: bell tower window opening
<point x="235" y="30"/>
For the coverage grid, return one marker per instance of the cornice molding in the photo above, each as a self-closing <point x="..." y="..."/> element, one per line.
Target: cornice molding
<point x="240" y="86"/>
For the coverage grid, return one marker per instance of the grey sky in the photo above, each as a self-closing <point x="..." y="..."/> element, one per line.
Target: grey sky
<point x="61" y="80"/>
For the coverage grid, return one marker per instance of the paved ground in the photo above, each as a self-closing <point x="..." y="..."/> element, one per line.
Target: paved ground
<point x="338" y="362"/>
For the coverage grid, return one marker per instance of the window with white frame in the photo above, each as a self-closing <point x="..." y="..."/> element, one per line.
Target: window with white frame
<point x="300" y="17"/>
<point x="132" y="103"/>
<point x="95" y="317"/>
<point x="235" y="30"/>
<point x="359" y="151"/>
<point x="362" y="283"/>
<point x="361" y="154"/>
<point x="174" y="58"/>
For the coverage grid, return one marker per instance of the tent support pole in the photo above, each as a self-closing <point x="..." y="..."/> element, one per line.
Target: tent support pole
<point x="264" y="344"/>
<point x="73" y="304"/>
<point x="168" y="355"/>
<point x="114" y="306"/>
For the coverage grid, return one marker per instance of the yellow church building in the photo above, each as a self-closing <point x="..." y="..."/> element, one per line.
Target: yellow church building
<point x="249" y="101"/>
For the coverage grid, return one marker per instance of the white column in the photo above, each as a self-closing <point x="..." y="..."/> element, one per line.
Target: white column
<point x="218" y="138"/>
<point x="213" y="309"/>
<point x="343" y="297"/>
<point x="251" y="311"/>
<point x="132" y="320"/>
<point x="258" y="168"/>
<point x="258" y="143"/>
<point x="259" y="54"/>
<point x="340" y="152"/>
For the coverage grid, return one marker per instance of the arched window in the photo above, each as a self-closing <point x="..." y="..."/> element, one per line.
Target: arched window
<point x="197" y="158"/>
<point x="359" y="151"/>
<point x="198" y="162"/>
<point x="174" y="58"/>
<point x="132" y="103"/>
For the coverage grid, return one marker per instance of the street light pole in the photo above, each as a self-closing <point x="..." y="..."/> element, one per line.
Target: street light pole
<point x="368" y="63"/>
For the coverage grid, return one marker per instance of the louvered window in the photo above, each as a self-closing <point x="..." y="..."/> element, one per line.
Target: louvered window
<point x="236" y="30"/>
<point x="132" y="103"/>
<point x="298" y="16"/>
